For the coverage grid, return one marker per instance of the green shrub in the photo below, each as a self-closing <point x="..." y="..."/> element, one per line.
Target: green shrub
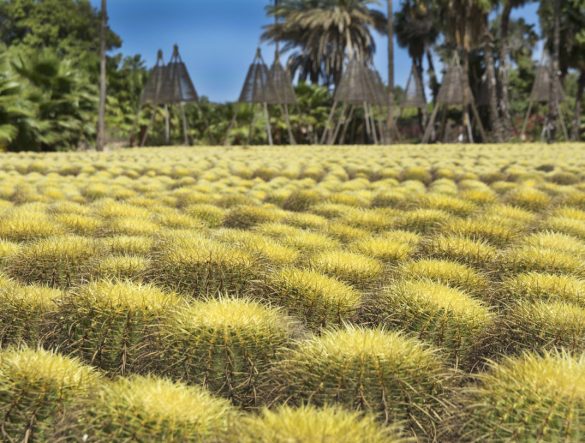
<point x="149" y="409"/>
<point x="397" y="378"/>
<point x="525" y="399"/>
<point x="308" y="424"/>
<point x="316" y="299"/>
<point x="110" y="324"/>
<point x="224" y="344"/>
<point x="36" y="389"/>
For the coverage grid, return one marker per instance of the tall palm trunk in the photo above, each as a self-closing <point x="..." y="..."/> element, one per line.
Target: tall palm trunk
<point x="101" y="133"/>
<point x="507" y="126"/>
<point x="390" y="122"/>
<point x="578" y="104"/>
<point x="553" y="102"/>
<point x="495" y="121"/>
<point x="433" y="82"/>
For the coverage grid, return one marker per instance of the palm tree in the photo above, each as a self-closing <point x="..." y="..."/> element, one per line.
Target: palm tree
<point x="504" y="55"/>
<point x="416" y="30"/>
<point x="101" y="133"/>
<point x="320" y="33"/>
<point x="466" y="26"/>
<point x="62" y="99"/>
<point x="565" y="22"/>
<point x="390" y="121"/>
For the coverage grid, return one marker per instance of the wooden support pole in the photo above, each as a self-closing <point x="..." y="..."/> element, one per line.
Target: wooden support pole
<point x="227" y="141"/>
<point x="291" y="136"/>
<point x="252" y="123"/>
<point x="340" y="122"/>
<point x="185" y="125"/>
<point x="145" y="135"/>
<point x="430" y="125"/>
<point x="525" y="124"/>
<point x="347" y="122"/>
<point x="167" y="125"/>
<point x="467" y="124"/>
<point x="482" y="132"/>
<point x="329" y="120"/>
<point x="367" y="119"/>
<point x="268" y="127"/>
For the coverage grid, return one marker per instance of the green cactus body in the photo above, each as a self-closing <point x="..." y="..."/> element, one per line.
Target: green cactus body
<point x="36" y="389"/>
<point x="394" y="377"/>
<point x="110" y="324"/>
<point x="224" y="344"/>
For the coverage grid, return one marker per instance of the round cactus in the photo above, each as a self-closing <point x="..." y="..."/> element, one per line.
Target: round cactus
<point x="149" y="409"/>
<point x="23" y="310"/>
<point x="394" y="377"/>
<point x="534" y="286"/>
<point x="446" y="272"/>
<point x="244" y="217"/>
<point x="445" y="316"/>
<point x="541" y="326"/>
<point x="316" y="299"/>
<point x="223" y="344"/>
<point x="199" y="267"/>
<point x="461" y="249"/>
<point x="535" y="259"/>
<point x="525" y="399"/>
<point x="122" y="267"/>
<point x="59" y="262"/>
<point x="36" y="389"/>
<point x="356" y="269"/>
<point x="109" y="324"/>
<point x="308" y="424"/>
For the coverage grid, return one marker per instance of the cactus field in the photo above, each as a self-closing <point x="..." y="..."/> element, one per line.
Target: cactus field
<point x="294" y="295"/>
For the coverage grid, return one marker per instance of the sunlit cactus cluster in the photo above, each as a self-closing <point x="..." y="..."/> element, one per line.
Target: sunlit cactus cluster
<point x="333" y="295"/>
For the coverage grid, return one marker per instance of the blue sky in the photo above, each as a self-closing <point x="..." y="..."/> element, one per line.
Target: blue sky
<point x="218" y="38"/>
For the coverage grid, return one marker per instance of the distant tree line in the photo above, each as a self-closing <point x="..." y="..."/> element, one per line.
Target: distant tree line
<point x="49" y="69"/>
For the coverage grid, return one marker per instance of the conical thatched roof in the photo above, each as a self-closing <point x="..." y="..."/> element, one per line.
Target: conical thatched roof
<point x="360" y="84"/>
<point x="455" y="88"/>
<point x="258" y="87"/>
<point x="282" y="84"/>
<point x="541" y="87"/>
<point x="414" y="94"/>
<point x="177" y="85"/>
<point x="152" y="90"/>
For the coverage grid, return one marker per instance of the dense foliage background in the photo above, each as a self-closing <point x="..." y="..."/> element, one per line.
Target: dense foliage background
<point x="49" y="70"/>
